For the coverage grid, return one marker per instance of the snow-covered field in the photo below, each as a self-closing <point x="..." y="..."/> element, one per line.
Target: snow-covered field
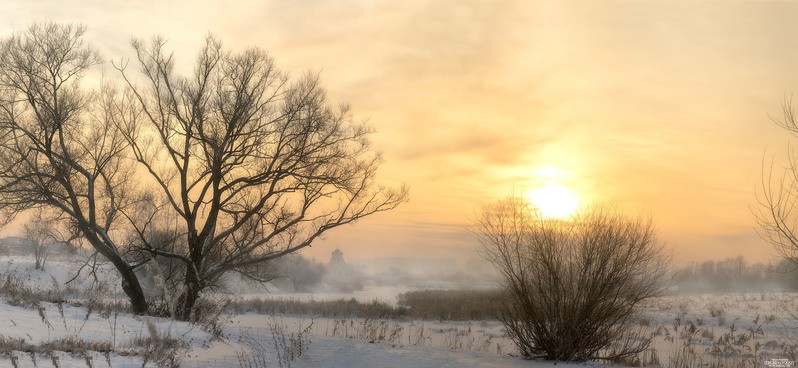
<point x="123" y="340"/>
<point x="756" y="326"/>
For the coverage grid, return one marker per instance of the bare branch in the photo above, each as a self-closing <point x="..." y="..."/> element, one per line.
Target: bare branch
<point x="573" y="285"/>
<point x="58" y="150"/>
<point x="256" y="167"/>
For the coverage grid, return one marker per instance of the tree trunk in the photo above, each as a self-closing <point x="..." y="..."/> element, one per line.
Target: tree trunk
<point x="188" y="298"/>
<point x="133" y="290"/>
<point x="130" y="281"/>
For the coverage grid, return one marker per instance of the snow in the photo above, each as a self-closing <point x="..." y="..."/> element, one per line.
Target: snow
<point x="252" y="335"/>
<point x="326" y="352"/>
<point x="53" y="323"/>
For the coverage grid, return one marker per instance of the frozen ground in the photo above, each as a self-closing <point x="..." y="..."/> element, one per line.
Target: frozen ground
<point x="127" y="336"/>
<point x="121" y="340"/>
<point x="329" y="352"/>
<point x="203" y="351"/>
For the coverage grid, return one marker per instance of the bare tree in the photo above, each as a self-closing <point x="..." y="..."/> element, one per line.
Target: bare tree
<point x="778" y="196"/>
<point x="59" y="148"/>
<point x="255" y="167"/>
<point x="40" y="231"/>
<point x="573" y="285"/>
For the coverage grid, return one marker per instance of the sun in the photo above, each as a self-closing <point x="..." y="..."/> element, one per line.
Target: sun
<point x="554" y="201"/>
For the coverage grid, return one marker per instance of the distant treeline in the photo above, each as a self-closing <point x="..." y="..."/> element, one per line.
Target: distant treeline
<point x="735" y="274"/>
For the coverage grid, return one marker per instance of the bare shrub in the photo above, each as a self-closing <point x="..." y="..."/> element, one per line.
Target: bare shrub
<point x="209" y="314"/>
<point x="573" y="285"/>
<point x="161" y="349"/>
<point x="286" y="347"/>
<point x="289" y="347"/>
<point x="368" y="329"/>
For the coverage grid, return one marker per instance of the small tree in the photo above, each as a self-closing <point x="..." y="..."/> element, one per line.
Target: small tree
<point x="573" y="285"/>
<point x="40" y="231"/>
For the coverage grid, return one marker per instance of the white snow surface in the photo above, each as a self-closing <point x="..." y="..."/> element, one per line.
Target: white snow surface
<point x="53" y="323"/>
<point x="326" y="352"/>
<point x="252" y="334"/>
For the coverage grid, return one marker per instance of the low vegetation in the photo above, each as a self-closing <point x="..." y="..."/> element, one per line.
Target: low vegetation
<point x="574" y="286"/>
<point x="455" y="305"/>
<point x="341" y="308"/>
<point x="442" y="305"/>
<point x="457" y="337"/>
<point x="154" y="346"/>
<point x="694" y="344"/>
<point x="716" y="330"/>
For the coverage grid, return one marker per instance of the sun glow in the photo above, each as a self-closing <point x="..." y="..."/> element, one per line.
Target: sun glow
<point x="554" y="201"/>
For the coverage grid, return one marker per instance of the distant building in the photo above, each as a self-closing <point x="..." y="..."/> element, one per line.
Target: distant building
<point x="340" y="276"/>
<point x="337" y="258"/>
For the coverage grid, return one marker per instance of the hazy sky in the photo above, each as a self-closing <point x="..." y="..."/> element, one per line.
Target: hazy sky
<point x="663" y="107"/>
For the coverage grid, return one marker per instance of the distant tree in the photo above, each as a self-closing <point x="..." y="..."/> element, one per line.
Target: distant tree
<point x="573" y="285"/>
<point x="734" y="274"/>
<point x="300" y="273"/>
<point x="59" y="147"/>
<point x="41" y="231"/>
<point x="786" y="274"/>
<point x="254" y="166"/>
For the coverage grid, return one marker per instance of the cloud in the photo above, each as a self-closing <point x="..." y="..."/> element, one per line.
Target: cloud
<point x="658" y="104"/>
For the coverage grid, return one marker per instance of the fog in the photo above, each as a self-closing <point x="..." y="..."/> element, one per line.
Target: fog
<point x="735" y="275"/>
<point x="383" y="278"/>
<point x="337" y="276"/>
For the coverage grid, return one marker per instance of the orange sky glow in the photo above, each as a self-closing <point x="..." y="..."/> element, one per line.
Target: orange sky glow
<point x="663" y="108"/>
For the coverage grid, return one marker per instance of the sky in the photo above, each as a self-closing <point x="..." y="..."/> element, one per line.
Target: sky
<point x="662" y="108"/>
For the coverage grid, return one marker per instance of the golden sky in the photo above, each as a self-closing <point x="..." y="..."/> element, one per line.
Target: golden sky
<point x="662" y="107"/>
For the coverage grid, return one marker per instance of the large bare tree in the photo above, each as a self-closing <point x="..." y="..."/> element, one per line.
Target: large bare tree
<point x="573" y="285"/>
<point x="253" y="165"/>
<point x="59" y="146"/>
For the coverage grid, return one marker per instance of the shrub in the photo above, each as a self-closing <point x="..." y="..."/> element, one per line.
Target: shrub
<point x="573" y="285"/>
<point x="287" y="348"/>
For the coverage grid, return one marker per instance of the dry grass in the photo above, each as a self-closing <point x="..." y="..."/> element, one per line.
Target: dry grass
<point x="441" y="305"/>
<point x="286" y="347"/>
